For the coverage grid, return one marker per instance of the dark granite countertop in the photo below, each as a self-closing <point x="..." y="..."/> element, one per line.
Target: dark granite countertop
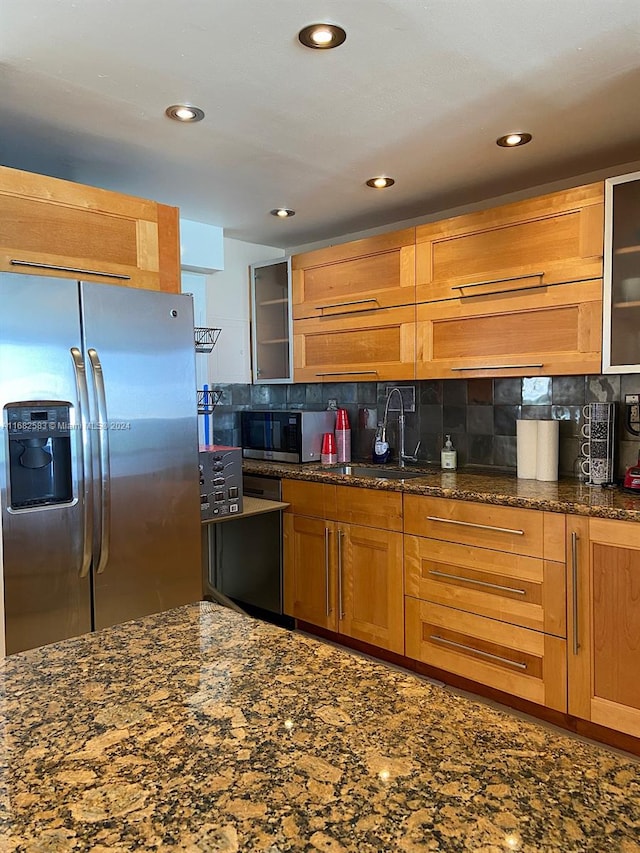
<point x="203" y="730"/>
<point x="567" y="495"/>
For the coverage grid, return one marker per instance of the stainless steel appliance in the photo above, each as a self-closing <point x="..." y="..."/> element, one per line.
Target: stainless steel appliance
<point x="285" y="436"/>
<point x="245" y="554"/>
<point x="99" y="498"/>
<point x="220" y="471"/>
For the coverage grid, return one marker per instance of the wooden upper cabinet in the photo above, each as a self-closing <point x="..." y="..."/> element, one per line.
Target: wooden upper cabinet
<point x="543" y="241"/>
<point x="547" y="331"/>
<point x="375" y="345"/>
<point x="377" y="272"/>
<point x="54" y="227"/>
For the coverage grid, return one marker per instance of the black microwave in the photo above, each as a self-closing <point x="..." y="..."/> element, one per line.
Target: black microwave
<point x="284" y="436"/>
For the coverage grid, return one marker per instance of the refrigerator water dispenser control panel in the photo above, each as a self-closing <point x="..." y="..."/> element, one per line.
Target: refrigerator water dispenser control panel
<point x="39" y="454"/>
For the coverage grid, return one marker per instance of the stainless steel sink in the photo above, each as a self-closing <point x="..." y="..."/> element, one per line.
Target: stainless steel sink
<point x="377" y="473"/>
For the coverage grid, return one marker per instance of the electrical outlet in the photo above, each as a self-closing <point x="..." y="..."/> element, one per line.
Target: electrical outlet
<point x="633" y="413"/>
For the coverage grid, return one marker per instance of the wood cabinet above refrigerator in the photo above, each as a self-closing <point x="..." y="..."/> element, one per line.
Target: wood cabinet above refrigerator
<point x="59" y="228"/>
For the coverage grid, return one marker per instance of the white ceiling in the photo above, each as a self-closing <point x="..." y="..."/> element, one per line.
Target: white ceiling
<point x="419" y="91"/>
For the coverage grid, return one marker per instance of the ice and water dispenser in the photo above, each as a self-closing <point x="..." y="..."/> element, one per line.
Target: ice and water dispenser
<point x="39" y="453"/>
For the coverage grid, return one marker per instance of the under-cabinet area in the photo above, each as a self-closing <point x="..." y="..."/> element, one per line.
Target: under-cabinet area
<point x="526" y="604"/>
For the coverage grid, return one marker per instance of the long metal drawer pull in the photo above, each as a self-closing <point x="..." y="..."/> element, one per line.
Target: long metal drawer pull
<point x="16" y="263"/>
<point x="345" y="304"/>
<point x="496" y="366"/>
<point x="500" y="281"/>
<point x="327" y="533"/>
<point x="478" y="583"/>
<point x="348" y="373"/>
<point x="471" y="524"/>
<point x="105" y="473"/>
<point x="478" y="652"/>
<point x="340" y="606"/>
<point x="87" y="493"/>
<point x="574" y="578"/>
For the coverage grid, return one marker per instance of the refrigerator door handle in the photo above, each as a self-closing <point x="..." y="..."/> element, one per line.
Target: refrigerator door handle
<point x="103" y="451"/>
<point x="85" y="478"/>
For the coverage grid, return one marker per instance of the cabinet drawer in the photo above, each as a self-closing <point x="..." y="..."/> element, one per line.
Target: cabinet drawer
<point x="515" y="660"/>
<point x="369" y="507"/>
<point x="312" y="499"/>
<point x="377" y="345"/>
<point x="517" y="531"/>
<point x="525" y="591"/>
<point x="377" y="272"/>
<point x="552" y="330"/>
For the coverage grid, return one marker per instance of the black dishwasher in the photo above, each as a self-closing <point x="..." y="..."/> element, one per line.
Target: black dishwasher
<point x="245" y="554"/>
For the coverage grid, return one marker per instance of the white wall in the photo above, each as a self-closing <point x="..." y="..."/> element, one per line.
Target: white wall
<point x="228" y="308"/>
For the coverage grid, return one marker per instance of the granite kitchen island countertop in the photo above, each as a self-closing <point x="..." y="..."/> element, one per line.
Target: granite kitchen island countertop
<point x="203" y="730"/>
<point x="567" y="495"/>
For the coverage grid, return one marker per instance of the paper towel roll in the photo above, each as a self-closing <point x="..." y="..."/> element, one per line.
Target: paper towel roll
<point x="547" y="455"/>
<point x="526" y="444"/>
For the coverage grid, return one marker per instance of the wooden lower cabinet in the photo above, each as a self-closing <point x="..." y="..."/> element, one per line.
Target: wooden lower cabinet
<point x="345" y="577"/>
<point x="524" y="663"/>
<point x="604" y="622"/>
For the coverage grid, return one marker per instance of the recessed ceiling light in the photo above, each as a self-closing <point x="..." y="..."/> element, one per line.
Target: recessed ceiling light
<point x="322" y="36"/>
<point x="184" y="112"/>
<point x="512" y="140"/>
<point x="380" y="182"/>
<point x="283" y="212"/>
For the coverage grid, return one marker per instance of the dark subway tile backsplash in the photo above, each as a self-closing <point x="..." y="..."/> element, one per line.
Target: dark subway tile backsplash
<point x="480" y="414"/>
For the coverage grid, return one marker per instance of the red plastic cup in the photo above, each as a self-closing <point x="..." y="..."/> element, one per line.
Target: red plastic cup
<point x="328" y="452"/>
<point x="342" y="419"/>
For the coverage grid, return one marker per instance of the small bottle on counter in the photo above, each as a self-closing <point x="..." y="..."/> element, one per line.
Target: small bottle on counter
<point x="381" y="449"/>
<point x="343" y="436"/>
<point x="448" y="455"/>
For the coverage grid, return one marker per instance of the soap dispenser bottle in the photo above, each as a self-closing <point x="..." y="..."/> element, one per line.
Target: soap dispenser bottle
<point x="448" y="455"/>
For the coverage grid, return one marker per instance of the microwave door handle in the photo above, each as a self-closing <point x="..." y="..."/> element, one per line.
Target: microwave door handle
<point x="84" y="480"/>
<point x="103" y="451"/>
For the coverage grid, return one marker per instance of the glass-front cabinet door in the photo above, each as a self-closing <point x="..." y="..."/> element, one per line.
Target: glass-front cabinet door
<point x="621" y="308"/>
<point x="272" y="338"/>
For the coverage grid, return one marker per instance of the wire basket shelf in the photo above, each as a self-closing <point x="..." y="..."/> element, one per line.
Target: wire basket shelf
<point x="208" y="400"/>
<point x="205" y="338"/>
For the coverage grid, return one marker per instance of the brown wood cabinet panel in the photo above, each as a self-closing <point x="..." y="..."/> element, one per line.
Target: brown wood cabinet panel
<point x="369" y="507"/>
<point x="521" y="662"/>
<point x="552" y="331"/>
<point x="377" y="272"/>
<point x="59" y="228"/>
<point x="546" y="240"/>
<point x="377" y="345"/>
<point x="499" y="528"/>
<point x="314" y="499"/>
<point x="604" y="622"/>
<point x="309" y="576"/>
<point x="370" y="588"/>
<point x="526" y="591"/>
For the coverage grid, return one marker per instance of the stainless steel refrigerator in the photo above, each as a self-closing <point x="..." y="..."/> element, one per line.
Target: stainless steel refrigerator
<point x="98" y="456"/>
